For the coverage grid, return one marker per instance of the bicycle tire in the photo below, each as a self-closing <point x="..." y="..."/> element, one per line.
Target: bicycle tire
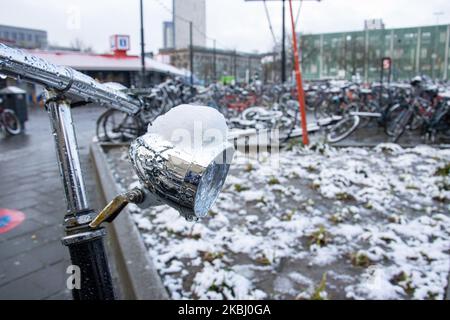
<point x="121" y="134"/>
<point x="390" y="116"/>
<point x="354" y="122"/>
<point x="100" y="128"/>
<point x="11" y="123"/>
<point x="400" y="123"/>
<point x="322" y="110"/>
<point x="442" y="125"/>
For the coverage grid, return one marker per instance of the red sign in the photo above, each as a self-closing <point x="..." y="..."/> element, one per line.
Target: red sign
<point x="9" y="219"/>
<point x="386" y="64"/>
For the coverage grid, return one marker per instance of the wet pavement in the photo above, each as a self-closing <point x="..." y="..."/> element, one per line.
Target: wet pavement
<point x="33" y="261"/>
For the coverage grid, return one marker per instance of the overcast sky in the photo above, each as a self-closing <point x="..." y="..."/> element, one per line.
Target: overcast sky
<point x="235" y="24"/>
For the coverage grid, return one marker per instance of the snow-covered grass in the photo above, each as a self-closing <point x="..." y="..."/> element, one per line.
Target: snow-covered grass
<point x="327" y="223"/>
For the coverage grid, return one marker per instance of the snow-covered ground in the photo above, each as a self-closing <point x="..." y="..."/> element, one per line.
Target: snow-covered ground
<point x="327" y="223"/>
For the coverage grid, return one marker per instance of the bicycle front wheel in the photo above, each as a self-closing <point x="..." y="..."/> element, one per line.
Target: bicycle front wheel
<point x="343" y="129"/>
<point x="11" y="122"/>
<point x="397" y="126"/>
<point x="120" y="127"/>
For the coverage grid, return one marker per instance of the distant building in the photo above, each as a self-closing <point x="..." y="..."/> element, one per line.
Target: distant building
<point x="168" y="34"/>
<point x="416" y="50"/>
<point x="23" y="37"/>
<point x="116" y="66"/>
<point x="212" y="65"/>
<point x="184" y="11"/>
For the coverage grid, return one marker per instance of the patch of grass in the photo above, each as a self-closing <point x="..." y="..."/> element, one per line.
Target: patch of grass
<point x="263" y="260"/>
<point x="345" y="196"/>
<point x="248" y="167"/>
<point x="294" y="142"/>
<point x="360" y="259"/>
<point x="403" y="280"/>
<point x="212" y="213"/>
<point x="395" y="219"/>
<point x="239" y="188"/>
<point x="319" y="292"/>
<point x="319" y="147"/>
<point x="320" y="237"/>
<point x="211" y="256"/>
<point x="427" y="257"/>
<point x="443" y="171"/>
<point x="315" y="186"/>
<point x="311" y="169"/>
<point x="432" y="295"/>
<point x="262" y="200"/>
<point x="288" y="216"/>
<point x="190" y="235"/>
<point x="219" y="288"/>
<point x="368" y="205"/>
<point x="273" y="181"/>
<point x="336" y="218"/>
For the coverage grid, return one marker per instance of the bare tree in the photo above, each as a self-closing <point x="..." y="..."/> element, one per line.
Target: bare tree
<point x="79" y="45"/>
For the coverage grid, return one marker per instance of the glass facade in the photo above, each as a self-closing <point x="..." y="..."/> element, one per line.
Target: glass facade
<point x="419" y="50"/>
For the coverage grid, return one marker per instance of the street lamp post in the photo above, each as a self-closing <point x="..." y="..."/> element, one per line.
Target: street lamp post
<point x="191" y="51"/>
<point x="214" y="62"/>
<point x="142" y="45"/>
<point x="283" y="46"/>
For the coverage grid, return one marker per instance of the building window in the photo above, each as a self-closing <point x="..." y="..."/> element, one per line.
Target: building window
<point x="423" y="54"/>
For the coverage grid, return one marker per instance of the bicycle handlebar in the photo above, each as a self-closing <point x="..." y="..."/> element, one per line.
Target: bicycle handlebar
<point x="76" y="85"/>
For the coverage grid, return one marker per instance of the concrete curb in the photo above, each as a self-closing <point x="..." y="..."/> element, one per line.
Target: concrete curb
<point x="138" y="278"/>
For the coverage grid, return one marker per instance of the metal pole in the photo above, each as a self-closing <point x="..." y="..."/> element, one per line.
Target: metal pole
<point x="235" y="66"/>
<point x="191" y="51"/>
<point x="143" y="81"/>
<point x="298" y="78"/>
<point x="214" y="63"/>
<point x="381" y="83"/>
<point x="283" y="46"/>
<point x="85" y="245"/>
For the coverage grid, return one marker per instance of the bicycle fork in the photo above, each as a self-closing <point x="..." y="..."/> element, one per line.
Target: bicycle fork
<point x="85" y="245"/>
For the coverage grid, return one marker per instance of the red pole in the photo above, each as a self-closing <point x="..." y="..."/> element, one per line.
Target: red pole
<point x="298" y="78"/>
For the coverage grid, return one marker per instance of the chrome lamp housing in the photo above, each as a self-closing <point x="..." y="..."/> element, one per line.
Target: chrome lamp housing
<point x="183" y="161"/>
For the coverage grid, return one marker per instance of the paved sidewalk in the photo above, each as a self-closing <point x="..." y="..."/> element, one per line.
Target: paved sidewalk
<point x="32" y="259"/>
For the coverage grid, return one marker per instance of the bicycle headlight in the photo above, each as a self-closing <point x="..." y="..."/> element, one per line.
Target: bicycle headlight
<point x="184" y="159"/>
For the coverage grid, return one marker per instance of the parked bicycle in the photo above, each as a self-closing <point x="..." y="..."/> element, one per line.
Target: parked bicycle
<point x="9" y="123"/>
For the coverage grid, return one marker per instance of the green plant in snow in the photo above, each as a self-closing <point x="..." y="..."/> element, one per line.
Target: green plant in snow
<point x="404" y="280"/>
<point x="239" y="188"/>
<point x="443" y="171"/>
<point x="320" y="237"/>
<point x="272" y="181"/>
<point x="360" y="259"/>
<point x="248" y="167"/>
<point x="288" y="216"/>
<point x="320" y="292"/>
<point x="211" y="256"/>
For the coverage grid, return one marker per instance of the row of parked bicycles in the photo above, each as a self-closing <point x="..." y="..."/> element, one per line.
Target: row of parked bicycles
<point x="339" y="108"/>
<point x="419" y="105"/>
